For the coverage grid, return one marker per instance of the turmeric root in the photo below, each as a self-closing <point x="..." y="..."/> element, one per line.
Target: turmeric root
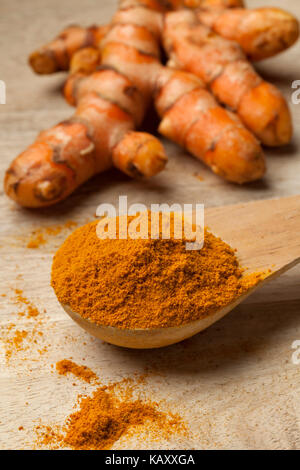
<point x="193" y="119"/>
<point x="85" y="60"/>
<point x="112" y="102"/>
<point x="222" y="65"/>
<point x="190" y="115"/>
<point x="56" y="55"/>
<point x="90" y="142"/>
<point x="163" y="5"/>
<point x="66" y="156"/>
<point x="261" y="33"/>
<point x="222" y="143"/>
<point x="213" y="3"/>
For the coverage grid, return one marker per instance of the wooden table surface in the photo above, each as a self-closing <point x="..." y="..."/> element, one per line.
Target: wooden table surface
<point x="235" y="384"/>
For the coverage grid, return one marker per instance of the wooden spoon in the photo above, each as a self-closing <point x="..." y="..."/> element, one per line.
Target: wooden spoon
<point x="266" y="235"/>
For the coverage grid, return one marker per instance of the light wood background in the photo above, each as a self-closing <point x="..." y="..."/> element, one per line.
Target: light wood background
<point x="235" y="384"/>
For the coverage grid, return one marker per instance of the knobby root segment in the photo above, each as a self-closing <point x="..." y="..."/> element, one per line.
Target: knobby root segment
<point x="57" y="55"/>
<point x="192" y="118"/>
<point x="85" y="60"/>
<point x="261" y="33"/>
<point x="66" y="156"/>
<point x="222" y="65"/>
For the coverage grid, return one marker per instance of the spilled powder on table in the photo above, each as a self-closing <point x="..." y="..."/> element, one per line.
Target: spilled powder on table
<point x="66" y="366"/>
<point x="198" y="176"/>
<point x="41" y="235"/>
<point x="17" y="340"/>
<point x="105" y="416"/>
<point x="31" y="310"/>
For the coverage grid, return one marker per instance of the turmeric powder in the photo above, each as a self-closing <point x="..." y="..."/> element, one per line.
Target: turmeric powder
<point x="66" y="366"/>
<point x="31" y="310"/>
<point x="104" y="417"/>
<point x="142" y="283"/>
<point x="40" y="235"/>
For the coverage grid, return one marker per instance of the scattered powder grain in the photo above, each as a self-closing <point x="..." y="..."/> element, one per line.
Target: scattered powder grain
<point x="14" y="343"/>
<point x="36" y="240"/>
<point x="199" y="177"/>
<point x="13" y="338"/>
<point x="31" y="310"/>
<point x="66" y="366"/>
<point x="18" y="338"/>
<point x="40" y="235"/>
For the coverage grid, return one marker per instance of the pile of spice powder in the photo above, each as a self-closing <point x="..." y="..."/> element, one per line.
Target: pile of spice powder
<point x="103" y="418"/>
<point x="146" y="283"/>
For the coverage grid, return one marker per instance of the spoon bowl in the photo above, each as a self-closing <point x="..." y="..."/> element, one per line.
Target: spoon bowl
<point x="149" y="338"/>
<point x="266" y="235"/>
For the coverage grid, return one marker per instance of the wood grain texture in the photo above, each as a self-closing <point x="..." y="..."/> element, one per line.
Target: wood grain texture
<point x="266" y="234"/>
<point x="235" y="383"/>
